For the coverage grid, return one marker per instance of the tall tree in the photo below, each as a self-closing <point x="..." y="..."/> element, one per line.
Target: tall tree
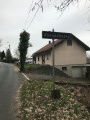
<point x="0" y="42"/>
<point x="23" y="47"/>
<point x="2" y="55"/>
<point x="8" y="55"/>
<point x="16" y="53"/>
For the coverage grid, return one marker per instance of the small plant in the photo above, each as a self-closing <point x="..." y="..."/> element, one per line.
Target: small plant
<point x="53" y="108"/>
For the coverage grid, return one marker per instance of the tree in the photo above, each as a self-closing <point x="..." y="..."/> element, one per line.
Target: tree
<point x="0" y="42"/>
<point x="2" y="55"/>
<point x="8" y="55"/>
<point x="61" y="6"/>
<point x="16" y="53"/>
<point x="23" y="47"/>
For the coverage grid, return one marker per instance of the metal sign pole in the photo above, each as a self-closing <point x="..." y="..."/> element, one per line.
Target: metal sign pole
<point x="53" y="35"/>
<point x="53" y="62"/>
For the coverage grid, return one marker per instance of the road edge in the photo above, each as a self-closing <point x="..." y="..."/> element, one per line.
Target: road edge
<point x="22" y="73"/>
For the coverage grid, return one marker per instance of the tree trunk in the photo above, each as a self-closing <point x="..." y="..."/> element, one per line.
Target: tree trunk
<point x="22" y="67"/>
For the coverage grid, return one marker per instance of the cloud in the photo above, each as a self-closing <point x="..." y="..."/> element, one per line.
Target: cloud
<point x="14" y="13"/>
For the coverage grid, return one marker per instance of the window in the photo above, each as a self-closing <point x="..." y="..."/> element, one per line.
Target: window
<point x="69" y="42"/>
<point x="38" y="58"/>
<point x="47" y="57"/>
<point x="64" y="68"/>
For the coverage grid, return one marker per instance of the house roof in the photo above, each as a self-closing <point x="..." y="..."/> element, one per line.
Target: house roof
<point x="79" y="42"/>
<point x="49" y="46"/>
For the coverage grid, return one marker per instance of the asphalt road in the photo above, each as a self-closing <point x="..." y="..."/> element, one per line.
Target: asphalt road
<point x="8" y="87"/>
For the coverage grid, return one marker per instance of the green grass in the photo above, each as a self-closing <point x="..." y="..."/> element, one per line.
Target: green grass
<point x="31" y="66"/>
<point x="47" y="70"/>
<point x="44" y="69"/>
<point x="37" y="103"/>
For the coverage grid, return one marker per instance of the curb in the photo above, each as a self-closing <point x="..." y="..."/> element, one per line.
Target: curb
<point x="25" y="76"/>
<point x="22" y="73"/>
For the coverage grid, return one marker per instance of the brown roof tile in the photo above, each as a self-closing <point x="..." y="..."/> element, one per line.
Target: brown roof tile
<point x="47" y="47"/>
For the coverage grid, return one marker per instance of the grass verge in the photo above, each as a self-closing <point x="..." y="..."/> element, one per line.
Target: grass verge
<point x="44" y="69"/>
<point x="38" y="105"/>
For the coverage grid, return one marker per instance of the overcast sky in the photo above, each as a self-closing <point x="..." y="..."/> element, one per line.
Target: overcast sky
<point x="15" y="16"/>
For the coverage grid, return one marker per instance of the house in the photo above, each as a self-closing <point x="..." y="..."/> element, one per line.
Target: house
<point x="29" y="60"/>
<point x="70" y="55"/>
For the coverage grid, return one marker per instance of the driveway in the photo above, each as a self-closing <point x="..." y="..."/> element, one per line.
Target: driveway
<point x="9" y="84"/>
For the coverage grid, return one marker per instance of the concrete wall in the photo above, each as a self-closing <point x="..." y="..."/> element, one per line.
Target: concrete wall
<point x="69" y="69"/>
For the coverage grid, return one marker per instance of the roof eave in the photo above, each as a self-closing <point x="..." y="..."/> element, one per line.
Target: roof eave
<point x="41" y="52"/>
<point x="80" y="42"/>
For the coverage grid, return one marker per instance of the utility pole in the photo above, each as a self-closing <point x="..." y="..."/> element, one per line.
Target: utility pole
<point x="9" y="46"/>
<point x="53" y="60"/>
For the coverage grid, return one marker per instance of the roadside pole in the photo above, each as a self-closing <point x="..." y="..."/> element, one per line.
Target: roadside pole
<point x="53" y="60"/>
<point x="54" y="93"/>
<point x="54" y="35"/>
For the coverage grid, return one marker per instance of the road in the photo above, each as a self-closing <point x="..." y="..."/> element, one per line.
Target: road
<point x="8" y="88"/>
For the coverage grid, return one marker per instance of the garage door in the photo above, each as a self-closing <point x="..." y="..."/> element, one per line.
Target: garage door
<point x="76" y="72"/>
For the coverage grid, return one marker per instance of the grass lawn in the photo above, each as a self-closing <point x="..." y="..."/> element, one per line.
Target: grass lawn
<point x="44" y="69"/>
<point x="38" y="105"/>
<point x="36" y="101"/>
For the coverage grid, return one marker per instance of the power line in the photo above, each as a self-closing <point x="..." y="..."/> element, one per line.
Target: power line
<point x="38" y="4"/>
<point x="29" y="13"/>
<point x="32" y="18"/>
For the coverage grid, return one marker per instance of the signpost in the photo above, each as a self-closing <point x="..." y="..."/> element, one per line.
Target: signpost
<point x="54" y="35"/>
<point x="53" y="63"/>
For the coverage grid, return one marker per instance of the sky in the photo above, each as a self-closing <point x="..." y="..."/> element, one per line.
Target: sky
<point x="19" y="15"/>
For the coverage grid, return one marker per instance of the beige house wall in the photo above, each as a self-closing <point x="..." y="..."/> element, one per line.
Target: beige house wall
<point x="66" y="55"/>
<point x="40" y="59"/>
<point x="48" y="61"/>
<point x="47" y="58"/>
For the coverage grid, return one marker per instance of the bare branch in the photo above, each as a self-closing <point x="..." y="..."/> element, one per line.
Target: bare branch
<point x="17" y="53"/>
<point x="62" y="6"/>
<point x="65" y="4"/>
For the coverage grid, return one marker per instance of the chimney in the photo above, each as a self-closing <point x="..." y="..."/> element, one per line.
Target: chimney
<point x="49" y="42"/>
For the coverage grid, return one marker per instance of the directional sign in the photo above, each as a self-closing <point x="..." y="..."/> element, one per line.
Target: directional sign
<point x="54" y="35"/>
